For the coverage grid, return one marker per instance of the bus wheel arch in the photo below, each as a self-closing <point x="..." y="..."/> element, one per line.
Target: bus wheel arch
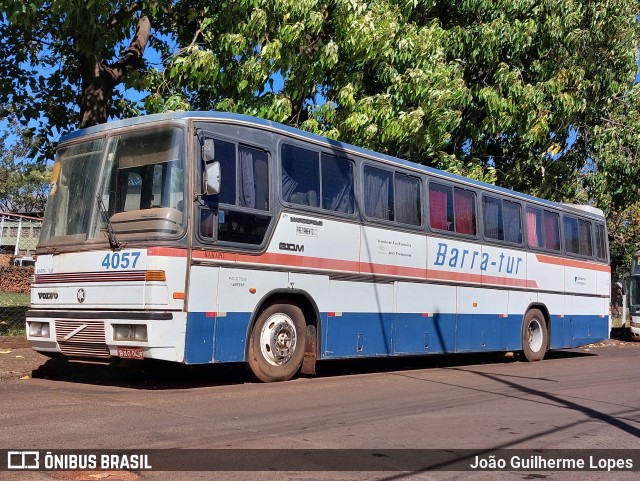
<point x="282" y="337"/>
<point x="535" y="333"/>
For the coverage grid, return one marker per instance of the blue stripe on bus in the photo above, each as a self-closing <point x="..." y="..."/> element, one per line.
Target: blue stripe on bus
<point x="573" y="331"/>
<point x="363" y="335"/>
<point x="224" y="339"/>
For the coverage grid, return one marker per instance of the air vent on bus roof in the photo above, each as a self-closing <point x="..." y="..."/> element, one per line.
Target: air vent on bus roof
<point x="587" y="208"/>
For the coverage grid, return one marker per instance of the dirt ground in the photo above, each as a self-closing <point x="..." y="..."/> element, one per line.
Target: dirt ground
<point x="19" y="361"/>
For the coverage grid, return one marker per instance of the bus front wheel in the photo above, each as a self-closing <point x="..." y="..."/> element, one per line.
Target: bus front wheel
<point x="535" y="337"/>
<point x="276" y="345"/>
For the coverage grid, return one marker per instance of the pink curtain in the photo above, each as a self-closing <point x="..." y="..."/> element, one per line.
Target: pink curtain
<point x="463" y="211"/>
<point x="551" y="237"/>
<point x="438" y="208"/>
<point x="532" y="231"/>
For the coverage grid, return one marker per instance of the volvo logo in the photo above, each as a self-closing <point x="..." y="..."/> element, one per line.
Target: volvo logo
<point x="81" y="295"/>
<point x="47" y="295"/>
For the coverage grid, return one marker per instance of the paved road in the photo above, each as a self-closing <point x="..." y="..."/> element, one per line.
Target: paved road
<point x="581" y="399"/>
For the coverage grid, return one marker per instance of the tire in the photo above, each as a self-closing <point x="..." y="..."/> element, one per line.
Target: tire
<point x="535" y="337"/>
<point x="277" y="342"/>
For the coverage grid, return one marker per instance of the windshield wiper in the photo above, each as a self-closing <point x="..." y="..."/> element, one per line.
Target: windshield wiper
<point x="113" y="241"/>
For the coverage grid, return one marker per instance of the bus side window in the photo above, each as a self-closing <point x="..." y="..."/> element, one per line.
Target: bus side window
<point x="378" y="193"/>
<point x="300" y="175"/>
<point x="503" y="220"/>
<point x="408" y="195"/>
<point x="337" y="184"/>
<point x="206" y="222"/>
<point x="601" y="245"/>
<point x="452" y="209"/>
<point x="543" y="229"/>
<point x="440" y="207"/>
<point x="577" y="236"/>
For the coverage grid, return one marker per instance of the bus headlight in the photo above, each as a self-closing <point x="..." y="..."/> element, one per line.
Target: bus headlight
<point x="129" y="332"/>
<point x="39" y="329"/>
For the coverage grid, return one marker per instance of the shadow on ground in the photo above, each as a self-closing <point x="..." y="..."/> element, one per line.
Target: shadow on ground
<point x="158" y="375"/>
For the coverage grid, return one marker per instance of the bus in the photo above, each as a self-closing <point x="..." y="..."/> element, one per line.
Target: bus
<point x="206" y="237"/>
<point x="634" y="297"/>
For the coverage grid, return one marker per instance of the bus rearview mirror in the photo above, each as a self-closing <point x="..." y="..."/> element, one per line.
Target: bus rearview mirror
<point x="208" y="151"/>
<point x="212" y="178"/>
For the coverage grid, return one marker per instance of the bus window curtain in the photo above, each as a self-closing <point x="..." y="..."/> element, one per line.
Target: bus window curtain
<point x="463" y="208"/>
<point x="493" y="218"/>
<point x="343" y="201"/>
<point x="288" y="185"/>
<point x="377" y="194"/>
<point x="512" y="222"/>
<point x="551" y="234"/>
<point x="438" y="207"/>
<point x="407" y="200"/>
<point x="247" y="180"/>
<point x="584" y="233"/>
<point x="532" y="229"/>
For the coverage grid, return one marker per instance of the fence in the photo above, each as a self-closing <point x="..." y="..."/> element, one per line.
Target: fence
<point x="18" y="239"/>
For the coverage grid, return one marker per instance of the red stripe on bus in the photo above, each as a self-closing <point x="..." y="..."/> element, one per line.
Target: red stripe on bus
<point x="167" y="251"/>
<point x="480" y="279"/>
<point x="288" y="260"/>
<point x="300" y="261"/>
<point x="559" y="261"/>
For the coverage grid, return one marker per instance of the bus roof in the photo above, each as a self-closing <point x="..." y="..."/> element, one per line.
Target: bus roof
<point x="268" y="124"/>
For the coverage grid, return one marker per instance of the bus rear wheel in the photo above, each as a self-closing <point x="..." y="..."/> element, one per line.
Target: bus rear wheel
<point x="276" y="345"/>
<point x="535" y="336"/>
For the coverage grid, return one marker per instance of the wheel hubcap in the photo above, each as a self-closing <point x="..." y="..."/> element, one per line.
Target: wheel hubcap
<point x="534" y="335"/>
<point x="278" y="339"/>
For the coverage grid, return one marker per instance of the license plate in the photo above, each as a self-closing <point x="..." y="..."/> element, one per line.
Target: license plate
<point x="131" y="352"/>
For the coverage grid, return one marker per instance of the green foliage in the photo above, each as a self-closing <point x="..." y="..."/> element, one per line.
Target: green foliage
<point x="530" y="94"/>
<point x="624" y="239"/>
<point x="49" y="51"/>
<point x="23" y="184"/>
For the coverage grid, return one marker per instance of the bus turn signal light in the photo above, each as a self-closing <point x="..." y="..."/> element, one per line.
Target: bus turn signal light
<point x="157" y="276"/>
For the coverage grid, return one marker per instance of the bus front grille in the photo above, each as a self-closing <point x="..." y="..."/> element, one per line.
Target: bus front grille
<point x="81" y="338"/>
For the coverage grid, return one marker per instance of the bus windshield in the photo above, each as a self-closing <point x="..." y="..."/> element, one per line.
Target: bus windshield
<point x="138" y="176"/>
<point x="634" y="293"/>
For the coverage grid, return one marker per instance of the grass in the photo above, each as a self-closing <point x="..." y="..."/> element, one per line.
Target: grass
<point x="12" y="309"/>
<point x="12" y="299"/>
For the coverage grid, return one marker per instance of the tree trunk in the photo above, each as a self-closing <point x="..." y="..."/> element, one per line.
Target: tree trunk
<point x="99" y="80"/>
<point x="97" y="88"/>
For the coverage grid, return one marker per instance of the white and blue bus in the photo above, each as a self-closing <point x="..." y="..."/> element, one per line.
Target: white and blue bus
<point x="634" y="297"/>
<point x="204" y="237"/>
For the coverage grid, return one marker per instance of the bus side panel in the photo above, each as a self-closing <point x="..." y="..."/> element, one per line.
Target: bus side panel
<point x="384" y="251"/>
<point x="481" y="314"/>
<point x="199" y="338"/>
<point x="362" y="325"/>
<point x="519" y="301"/>
<point x="546" y="274"/>
<point x="560" y="308"/>
<point x="580" y="280"/>
<point x="202" y="312"/>
<point x="426" y="322"/>
<point x="603" y="283"/>
<point x="588" y="326"/>
<point x="239" y="292"/>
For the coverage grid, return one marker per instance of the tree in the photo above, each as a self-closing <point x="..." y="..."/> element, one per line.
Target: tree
<point x="613" y="178"/>
<point x="62" y="59"/>
<point x="517" y="92"/>
<point x="509" y="91"/>
<point x="23" y="184"/>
